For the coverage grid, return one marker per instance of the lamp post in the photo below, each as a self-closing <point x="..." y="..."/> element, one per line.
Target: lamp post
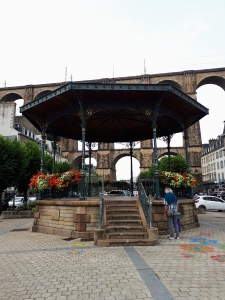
<point x="90" y="146"/>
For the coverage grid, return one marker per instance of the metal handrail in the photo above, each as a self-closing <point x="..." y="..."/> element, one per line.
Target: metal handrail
<point x="101" y="209"/>
<point x="143" y="199"/>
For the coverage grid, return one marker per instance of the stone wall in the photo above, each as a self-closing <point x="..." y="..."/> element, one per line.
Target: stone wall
<point x="13" y="214"/>
<point x="188" y="215"/>
<point x="70" y="218"/>
<point x="78" y="219"/>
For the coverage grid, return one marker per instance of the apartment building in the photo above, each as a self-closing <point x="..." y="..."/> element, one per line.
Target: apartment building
<point x="213" y="161"/>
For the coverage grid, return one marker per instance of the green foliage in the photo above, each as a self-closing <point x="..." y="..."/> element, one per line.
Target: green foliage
<point x="48" y="163"/>
<point x="12" y="161"/>
<point x="33" y="157"/>
<point x="177" y="164"/>
<point x="61" y="167"/>
<point x="145" y="175"/>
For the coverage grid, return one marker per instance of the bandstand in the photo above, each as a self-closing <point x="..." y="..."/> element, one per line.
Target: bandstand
<point x="98" y="112"/>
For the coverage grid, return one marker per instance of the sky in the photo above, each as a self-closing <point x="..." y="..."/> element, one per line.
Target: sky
<point x="49" y="41"/>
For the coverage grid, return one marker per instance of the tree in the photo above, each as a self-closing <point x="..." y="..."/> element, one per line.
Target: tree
<point x="33" y="157"/>
<point x="64" y="166"/>
<point x="48" y="163"/>
<point x="13" y="163"/>
<point x="177" y="164"/>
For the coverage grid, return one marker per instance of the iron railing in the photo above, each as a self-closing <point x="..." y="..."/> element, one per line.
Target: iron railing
<point x="146" y="203"/>
<point x="101" y="210"/>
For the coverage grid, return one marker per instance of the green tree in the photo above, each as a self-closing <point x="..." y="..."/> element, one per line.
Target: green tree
<point x="33" y="157"/>
<point x="13" y="163"/>
<point x="64" y="166"/>
<point x="177" y="164"/>
<point x="48" y="163"/>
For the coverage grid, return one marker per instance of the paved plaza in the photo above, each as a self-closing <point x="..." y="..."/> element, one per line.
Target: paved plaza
<point x="40" y="266"/>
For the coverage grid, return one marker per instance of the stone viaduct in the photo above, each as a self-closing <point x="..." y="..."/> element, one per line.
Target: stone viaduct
<point x="106" y="156"/>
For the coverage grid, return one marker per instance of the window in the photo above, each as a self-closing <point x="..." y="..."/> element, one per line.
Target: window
<point x="218" y="165"/>
<point x="217" y="155"/>
<point x="221" y="164"/>
<point x="207" y="198"/>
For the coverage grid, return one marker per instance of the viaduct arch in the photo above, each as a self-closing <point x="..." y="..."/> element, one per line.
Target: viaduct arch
<point x="106" y="156"/>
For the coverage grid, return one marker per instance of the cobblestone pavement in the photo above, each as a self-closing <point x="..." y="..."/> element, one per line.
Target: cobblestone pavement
<point x="40" y="266"/>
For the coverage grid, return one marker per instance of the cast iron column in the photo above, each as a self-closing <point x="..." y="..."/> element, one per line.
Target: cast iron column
<point x="156" y="170"/>
<point x="131" y="170"/>
<point x="89" y="171"/>
<point x="168" y="147"/>
<point x="43" y="141"/>
<point x="54" y="150"/>
<point x="82" y="196"/>
<point x="187" y="159"/>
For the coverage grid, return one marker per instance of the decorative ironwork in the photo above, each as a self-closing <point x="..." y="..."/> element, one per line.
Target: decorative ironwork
<point x="143" y="199"/>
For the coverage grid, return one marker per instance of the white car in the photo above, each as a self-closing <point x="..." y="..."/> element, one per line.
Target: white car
<point x="18" y="201"/>
<point x="210" y="202"/>
<point x="135" y="193"/>
<point x="31" y="199"/>
<point x="116" y="193"/>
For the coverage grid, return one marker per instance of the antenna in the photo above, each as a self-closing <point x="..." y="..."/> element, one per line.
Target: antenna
<point x="144" y="67"/>
<point x="71" y="77"/>
<point x="4" y="83"/>
<point x="65" y="73"/>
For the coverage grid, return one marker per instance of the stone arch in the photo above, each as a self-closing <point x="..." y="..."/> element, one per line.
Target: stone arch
<point x="119" y="156"/>
<point x="217" y="80"/>
<point x="77" y="162"/>
<point x="41" y="94"/>
<point x="173" y="83"/>
<point x="172" y="153"/>
<point x="11" y="97"/>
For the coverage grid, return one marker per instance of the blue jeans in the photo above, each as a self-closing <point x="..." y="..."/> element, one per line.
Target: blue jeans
<point x="172" y="221"/>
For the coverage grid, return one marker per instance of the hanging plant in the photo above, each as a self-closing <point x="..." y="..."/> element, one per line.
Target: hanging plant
<point x="42" y="181"/>
<point x="176" y="180"/>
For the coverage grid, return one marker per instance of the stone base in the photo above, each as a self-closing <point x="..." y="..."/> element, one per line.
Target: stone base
<point x="152" y="233"/>
<point x="99" y="234"/>
<point x="67" y="218"/>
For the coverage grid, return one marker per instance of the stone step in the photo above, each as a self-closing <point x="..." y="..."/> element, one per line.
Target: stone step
<point x="123" y="216"/>
<point x="127" y="235"/>
<point x="125" y="242"/>
<point x="119" y="202"/>
<point x="116" y="211"/>
<point x="121" y="207"/>
<point x="124" y="222"/>
<point x="121" y="228"/>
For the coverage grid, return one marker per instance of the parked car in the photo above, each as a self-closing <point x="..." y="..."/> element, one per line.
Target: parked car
<point x="135" y="193"/>
<point x="18" y="201"/>
<point x="126" y="192"/>
<point x="31" y="199"/>
<point x="116" y="193"/>
<point x="104" y="193"/>
<point x="222" y="195"/>
<point x="210" y="202"/>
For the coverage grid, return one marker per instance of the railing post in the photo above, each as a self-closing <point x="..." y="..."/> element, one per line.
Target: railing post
<point x="101" y="204"/>
<point x="150" y="212"/>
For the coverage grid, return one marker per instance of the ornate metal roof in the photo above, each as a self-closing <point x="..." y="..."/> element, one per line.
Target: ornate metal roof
<point x="113" y="112"/>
